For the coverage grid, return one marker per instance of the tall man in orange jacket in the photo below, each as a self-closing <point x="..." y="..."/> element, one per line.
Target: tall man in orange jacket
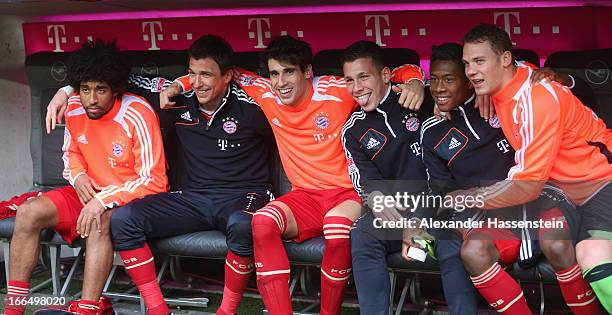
<point x="557" y="139"/>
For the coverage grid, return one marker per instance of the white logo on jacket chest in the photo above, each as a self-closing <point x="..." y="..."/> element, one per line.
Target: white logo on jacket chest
<point x="230" y="125"/>
<point x="82" y="139"/>
<point x="453" y="143"/>
<point x="186" y="116"/>
<point x="223" y="144"/>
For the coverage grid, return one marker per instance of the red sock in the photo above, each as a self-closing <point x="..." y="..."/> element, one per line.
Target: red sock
<point x="238" y="270"/>
<point x="87" y="307"/>
<point x="577" y="293"/>
<point x="15" y="292"/>
<point x="271" y="259"/>
<point x="336" y="266"/>
<point x="501" y="291"/>
<point x="140" y="266"/>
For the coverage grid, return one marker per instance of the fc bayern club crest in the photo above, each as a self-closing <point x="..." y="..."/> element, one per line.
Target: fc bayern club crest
<point x="412" y="124"/>
<point x="321" y="120"/>
<point x="117" y="149"/>
<point x="230" y="125"/>
<point x="494" y="122"/>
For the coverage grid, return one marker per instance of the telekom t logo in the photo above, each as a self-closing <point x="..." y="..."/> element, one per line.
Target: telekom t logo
<point x="259" y="29"/>
<point x="507" y="22"/>
<point x="56" y="38"/>
<point x="377" y="28"/>
<point x="153" y="36"/>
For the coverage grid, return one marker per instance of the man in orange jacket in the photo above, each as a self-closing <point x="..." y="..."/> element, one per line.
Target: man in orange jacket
<point x="557" y="139"/>
<point x="113" y="154"/>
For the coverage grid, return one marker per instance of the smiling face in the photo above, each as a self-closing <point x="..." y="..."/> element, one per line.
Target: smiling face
<point x="207" y="81"/>
<point x="449" y="85"/>
<point x="97" y="98"/>
<point x="486" y="69"/>
<point x="289" y="82"/>
<point x="365" y="82"/>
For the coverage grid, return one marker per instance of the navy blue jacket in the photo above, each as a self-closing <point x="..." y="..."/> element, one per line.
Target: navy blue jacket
<point x="466" y="149"/>
<point x="234" y="150"/>
<point x="383" y="145"/>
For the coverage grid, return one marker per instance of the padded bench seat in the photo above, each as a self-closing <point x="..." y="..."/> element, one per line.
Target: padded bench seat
<point x="211" y="244"/>
<point x="7" y="226"/>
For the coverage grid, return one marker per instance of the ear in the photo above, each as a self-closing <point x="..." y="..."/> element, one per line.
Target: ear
<point x="386" y="75"/>
<point x="308" y="72"/>
<point x="227" y="77"/>
<point x="506" y="59"/>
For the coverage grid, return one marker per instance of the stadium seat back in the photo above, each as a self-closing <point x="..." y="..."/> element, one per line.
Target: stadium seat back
<point x="591" y="69"/>
<point x="48" y="71"/>
<point x="526" y="55"/>
<point x="327" y="62"/>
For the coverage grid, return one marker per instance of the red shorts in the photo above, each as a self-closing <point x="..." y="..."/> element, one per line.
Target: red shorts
<point x="309" y="207"/>
<point x="68" y="207"/>
<point x="509" y="244"/>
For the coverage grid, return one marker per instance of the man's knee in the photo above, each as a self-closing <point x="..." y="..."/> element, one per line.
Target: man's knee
<point x="591" y="252"/>
<point x="100" y="230"/>
<point x="556" y="249"/>
<point x="269" y="221"/>
<point x="35" y="215"/>
<point x="124" y="227"/>
<point x="478" y="251"/>
<point x="447" y="249"/>
<point x="239" y="234"/>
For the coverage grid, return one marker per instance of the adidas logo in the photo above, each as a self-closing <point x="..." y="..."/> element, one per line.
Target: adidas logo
<point x="453" y="143"/>
<point x="186" y="116"/>
<point x="276" y="122"/>
<point x="372" y="143"/>
<point x="82" y="139"/>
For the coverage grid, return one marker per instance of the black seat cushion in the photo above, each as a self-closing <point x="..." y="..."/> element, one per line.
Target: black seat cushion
<point x="7" y="226"/>
<point x="211" y="244"/>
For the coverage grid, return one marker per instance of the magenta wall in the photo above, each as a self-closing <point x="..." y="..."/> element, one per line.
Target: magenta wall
<point x="544" y="30"/>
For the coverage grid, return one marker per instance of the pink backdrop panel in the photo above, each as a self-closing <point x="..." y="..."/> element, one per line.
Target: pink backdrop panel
<point x="544" y="30"/>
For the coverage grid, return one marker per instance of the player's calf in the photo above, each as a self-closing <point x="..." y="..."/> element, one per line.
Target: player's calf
<point x="594" y="257"/>
<point x="271" y="262"/>
<point x="239" y="263"/>
<point x="32" y="216"/>
<point x="494" y="283"/>
<point x="557" y="246"/>
<point x="98" y="262"/>
<point x="336" y="265"/>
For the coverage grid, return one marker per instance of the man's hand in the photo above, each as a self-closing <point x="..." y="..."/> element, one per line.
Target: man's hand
<point x="86" y="188"/>
<point x="549" y="74"/>
<point x="166" y="95"/>
<point x="484" y="103"/>
<point x="387" y="213"/>
<point x="465" y="199"/>
<point x="413" y="94"/>
<point x="440" y="115"/>
<point x="56" y="109"/>
<point x="408" y="239"/>
<point x="89" y="216"/>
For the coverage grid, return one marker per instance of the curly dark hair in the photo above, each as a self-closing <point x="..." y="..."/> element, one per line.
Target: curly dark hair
<point x="289" y="50"/>
<point x="99" y="61"/>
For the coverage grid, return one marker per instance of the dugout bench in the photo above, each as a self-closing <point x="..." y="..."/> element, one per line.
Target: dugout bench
<point x="47" y="73"/>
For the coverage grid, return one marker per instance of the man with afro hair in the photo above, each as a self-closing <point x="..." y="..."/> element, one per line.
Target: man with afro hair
<point x="113" y="154"/>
